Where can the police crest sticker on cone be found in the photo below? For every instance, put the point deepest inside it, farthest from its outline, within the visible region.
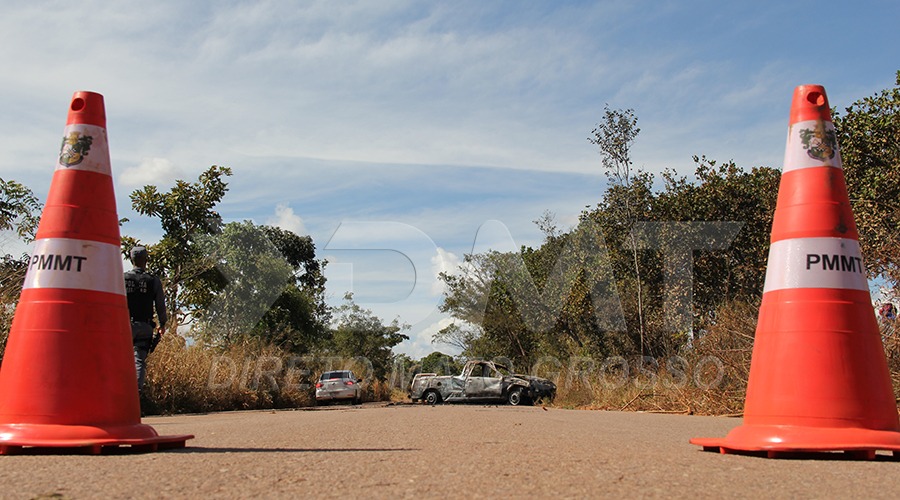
(819, 380)
(68, 378)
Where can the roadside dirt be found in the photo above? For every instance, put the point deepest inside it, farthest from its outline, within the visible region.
(447, 451)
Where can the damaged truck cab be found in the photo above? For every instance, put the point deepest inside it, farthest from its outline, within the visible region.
(481, 381)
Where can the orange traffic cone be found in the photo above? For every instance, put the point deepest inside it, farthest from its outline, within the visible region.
(818, 376)
(68, 378)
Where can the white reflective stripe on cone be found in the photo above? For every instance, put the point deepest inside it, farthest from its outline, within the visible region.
(811, 143)
(75, 264)
(84, 147)
(815, 263)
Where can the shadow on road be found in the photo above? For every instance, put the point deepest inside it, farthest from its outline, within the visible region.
(200, 449)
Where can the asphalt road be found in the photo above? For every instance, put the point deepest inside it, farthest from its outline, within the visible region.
(445, 451)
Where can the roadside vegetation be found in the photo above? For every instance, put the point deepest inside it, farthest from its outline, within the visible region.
(601, 309)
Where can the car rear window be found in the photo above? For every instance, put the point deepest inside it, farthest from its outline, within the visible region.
(334, 375)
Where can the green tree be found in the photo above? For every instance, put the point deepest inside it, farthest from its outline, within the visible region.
(300, 253)
(440, 363)
(868, 133)
(299, 317)
(358, 333)
(725, 193)
(615, 136)
(186, 213)
(19, 212)
(552, 300)
(255, 274)
(734, 273)
(631, 265)
(12, 275)
(715, 193)
(558, 299)
(489, 324)
(461, 335)
(274, 289)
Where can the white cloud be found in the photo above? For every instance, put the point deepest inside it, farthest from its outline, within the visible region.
(286, 219)
(155, 171)
(442, 262)
(336, 109)
(420, 343)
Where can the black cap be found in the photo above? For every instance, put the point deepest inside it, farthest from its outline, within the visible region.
(138, 253)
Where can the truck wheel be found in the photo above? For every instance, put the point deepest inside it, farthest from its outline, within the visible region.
(515, 397)
(432, 398)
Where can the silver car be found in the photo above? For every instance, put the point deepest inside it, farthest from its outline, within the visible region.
(338, 385)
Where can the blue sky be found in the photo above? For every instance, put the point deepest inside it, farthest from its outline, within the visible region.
(400, 128)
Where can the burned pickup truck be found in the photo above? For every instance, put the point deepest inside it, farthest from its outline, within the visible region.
(481, 381)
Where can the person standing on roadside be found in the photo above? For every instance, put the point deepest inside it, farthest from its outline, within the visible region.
(145, 293)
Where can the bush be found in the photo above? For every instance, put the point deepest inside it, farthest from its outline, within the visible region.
(12, 275)
(185, 378)
(891, 339)
(191, 379)
(709, 379)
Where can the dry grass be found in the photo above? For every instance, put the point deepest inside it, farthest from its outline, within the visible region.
(11, 278)
(710, 379)
(195, 379)
(378, 390)
(663, 391)
(891, 338)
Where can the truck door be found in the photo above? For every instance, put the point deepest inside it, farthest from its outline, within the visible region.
(483, 383)
(493, 383)
(475, 382)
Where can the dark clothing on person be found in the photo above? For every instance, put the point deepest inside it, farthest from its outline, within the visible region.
(144, 292)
